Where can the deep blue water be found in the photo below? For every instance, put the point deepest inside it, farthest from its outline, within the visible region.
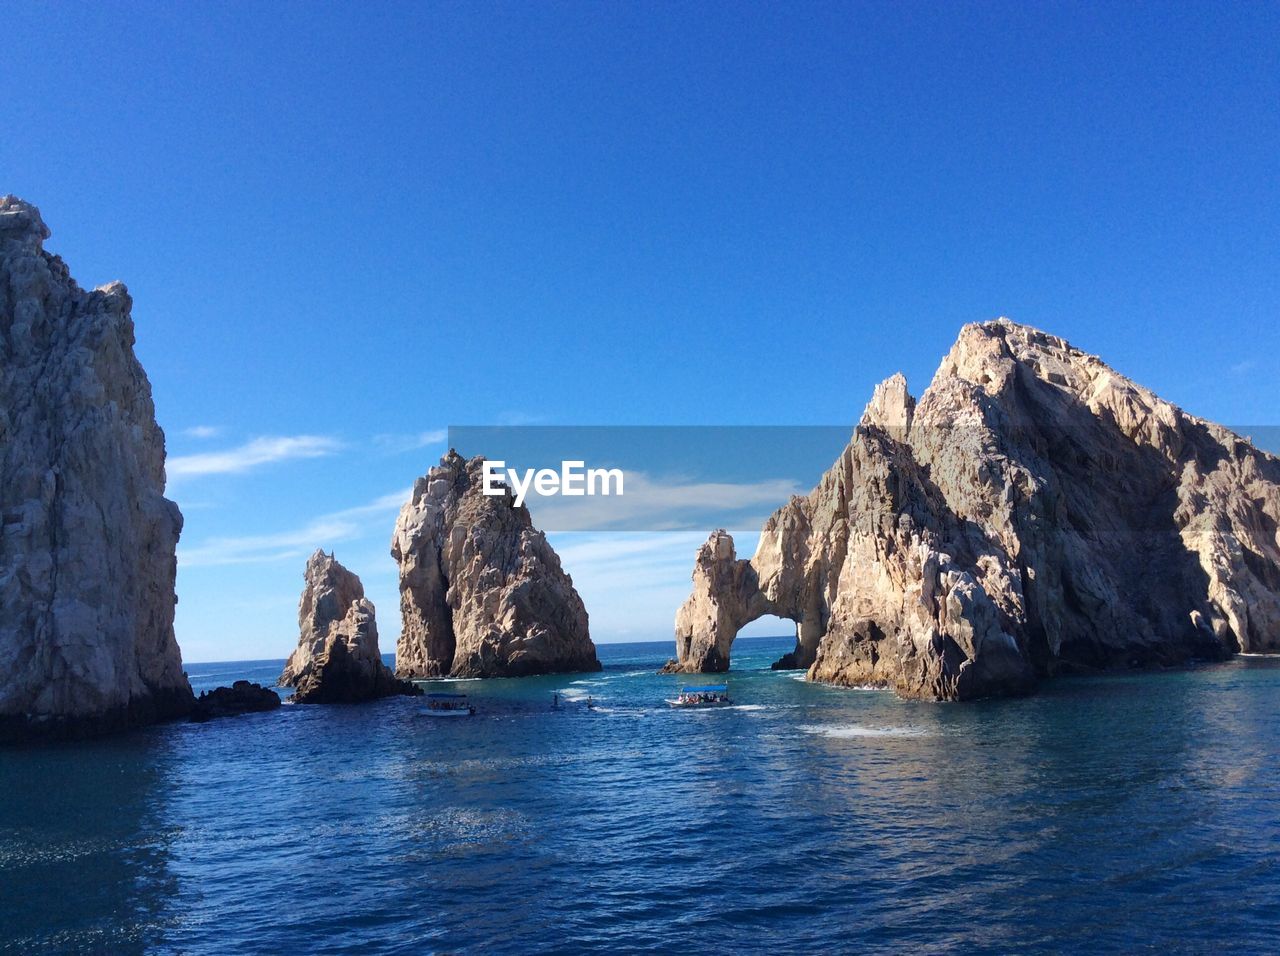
(1120, 813)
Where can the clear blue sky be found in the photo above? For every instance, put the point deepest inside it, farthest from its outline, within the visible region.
(347, 226)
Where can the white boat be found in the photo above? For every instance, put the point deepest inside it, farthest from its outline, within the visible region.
(449, 705)
(705, 695)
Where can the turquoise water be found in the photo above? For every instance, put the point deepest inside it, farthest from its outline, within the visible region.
(1121, 813)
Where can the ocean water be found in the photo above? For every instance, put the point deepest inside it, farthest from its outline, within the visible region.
(1136, 812)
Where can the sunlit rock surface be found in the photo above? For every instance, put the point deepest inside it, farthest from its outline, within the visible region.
(1034, 513)
(482, 593)
(337, 659)
(87, 538)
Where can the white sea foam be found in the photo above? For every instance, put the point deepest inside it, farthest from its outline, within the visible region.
(574, 695)
(446, 680)
(844, 731)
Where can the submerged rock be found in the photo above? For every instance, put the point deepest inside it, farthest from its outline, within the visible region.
(482, 593)
(337, 659)
(1034, 513)
(87, 538)
(242, 697)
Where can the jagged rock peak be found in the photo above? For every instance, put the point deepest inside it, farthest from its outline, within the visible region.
(87, 538)
(891, 406)
(482, 592)
(1040, 513)
(21, 221)
(337, 659)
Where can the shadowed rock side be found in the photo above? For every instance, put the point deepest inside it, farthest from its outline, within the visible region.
(87, 538)
(337, 660)
(482, 593)
(1034, 513)
(242, 697)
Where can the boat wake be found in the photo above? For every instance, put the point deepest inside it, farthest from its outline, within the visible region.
(845, 731)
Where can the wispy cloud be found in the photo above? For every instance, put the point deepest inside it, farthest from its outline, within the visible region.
(321, 532)
(394, 444)
(202, 431)
(640, 560)
(253, 454)
(633, 582)
(1241, 368)
(665, 504)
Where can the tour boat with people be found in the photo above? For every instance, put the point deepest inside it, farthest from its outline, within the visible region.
(705, 695)
(449, 705)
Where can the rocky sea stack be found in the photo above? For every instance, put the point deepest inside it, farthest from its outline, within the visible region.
(482, 593)
(337, 660)
(87, 538)
(1034, 513)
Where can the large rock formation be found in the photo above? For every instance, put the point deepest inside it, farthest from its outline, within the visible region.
(482, 593)
(87, 538)
(337, 660)
(1034, 513)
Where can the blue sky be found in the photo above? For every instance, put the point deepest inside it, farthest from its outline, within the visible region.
(349, 226)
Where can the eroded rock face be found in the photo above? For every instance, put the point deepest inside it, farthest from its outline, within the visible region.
(482, 593)
(337, 658)
(1035, 512)
(87, 538)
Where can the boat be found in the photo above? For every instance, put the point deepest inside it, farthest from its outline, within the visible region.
(705, 695)
(449, 705)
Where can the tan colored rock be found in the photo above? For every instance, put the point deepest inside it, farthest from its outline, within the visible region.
(337, 659)
(87, 538)
(482, 592)
(726, 595)
(1035, 512)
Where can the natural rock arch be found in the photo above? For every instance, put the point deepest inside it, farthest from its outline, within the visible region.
(1035, 513)
(727, 596)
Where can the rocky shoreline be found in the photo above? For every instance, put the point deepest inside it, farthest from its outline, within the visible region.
(1034, 513)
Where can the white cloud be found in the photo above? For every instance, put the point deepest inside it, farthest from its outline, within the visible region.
(202, 431)
(399, 444)
(1241, 368)
(665, 504)
(633, 582)
(616, 546)
(253, 454)
(322, 532)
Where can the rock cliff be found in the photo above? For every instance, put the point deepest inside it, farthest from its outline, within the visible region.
(482, 593)
(1034, 513)
(87, 538)
(337, 658)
